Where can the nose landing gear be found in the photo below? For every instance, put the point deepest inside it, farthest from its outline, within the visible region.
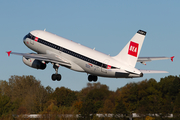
(56, 76)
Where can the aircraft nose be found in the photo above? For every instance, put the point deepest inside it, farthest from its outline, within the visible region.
(24, 38)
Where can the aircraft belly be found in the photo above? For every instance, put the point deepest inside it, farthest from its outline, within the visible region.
(96, 70)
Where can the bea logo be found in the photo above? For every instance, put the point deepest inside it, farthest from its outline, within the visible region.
(133, 49)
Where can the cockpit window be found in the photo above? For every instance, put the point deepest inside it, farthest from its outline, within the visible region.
(29, 36)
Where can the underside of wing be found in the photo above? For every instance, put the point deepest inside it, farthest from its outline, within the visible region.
(45, 57)
(147, 59)
(152, 71)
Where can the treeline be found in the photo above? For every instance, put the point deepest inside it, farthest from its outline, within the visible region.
(25, 95)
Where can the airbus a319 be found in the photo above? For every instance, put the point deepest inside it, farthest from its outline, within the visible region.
(59, 51)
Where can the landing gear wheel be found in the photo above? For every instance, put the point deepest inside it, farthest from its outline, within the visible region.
(56, 77)
(53, 77)
(92, 78)
(95, 78)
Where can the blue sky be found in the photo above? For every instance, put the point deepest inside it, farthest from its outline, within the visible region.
(103, 24)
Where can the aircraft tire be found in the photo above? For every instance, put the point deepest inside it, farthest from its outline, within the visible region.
(58, 77)
(53, 77)
(92, 78)
(95, 78)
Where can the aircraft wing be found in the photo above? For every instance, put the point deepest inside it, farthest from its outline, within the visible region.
(152, 71)
(44, 57)
(147, 59)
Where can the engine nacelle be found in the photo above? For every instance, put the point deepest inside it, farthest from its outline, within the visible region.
(34, 63)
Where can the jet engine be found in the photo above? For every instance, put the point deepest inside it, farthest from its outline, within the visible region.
(34, 63)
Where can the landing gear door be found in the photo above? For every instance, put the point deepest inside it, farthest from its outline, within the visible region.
(104, 66)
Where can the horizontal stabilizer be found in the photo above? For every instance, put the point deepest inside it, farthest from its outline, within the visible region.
(152, 71)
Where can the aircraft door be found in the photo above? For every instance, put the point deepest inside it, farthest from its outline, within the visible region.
(34, 38)
(104, 66)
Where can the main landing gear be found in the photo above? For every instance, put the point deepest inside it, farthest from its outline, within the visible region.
(56, 76)
(92, 78)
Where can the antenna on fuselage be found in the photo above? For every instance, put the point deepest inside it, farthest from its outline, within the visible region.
(45, 29)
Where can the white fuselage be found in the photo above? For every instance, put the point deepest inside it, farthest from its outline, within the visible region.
(81, 58)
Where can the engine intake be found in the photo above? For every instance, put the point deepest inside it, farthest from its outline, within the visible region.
(34, 63)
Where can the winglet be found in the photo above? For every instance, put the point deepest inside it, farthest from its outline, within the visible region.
(172, 58)
(143, 63)
(9, 53)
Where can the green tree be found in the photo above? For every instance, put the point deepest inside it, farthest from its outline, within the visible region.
(149, 98)
(93, 99)
(170, 86)
(6, 105)
(64, 97)
(120, 111)
(25, 92)
(88, 110)
(107, 108)
(176, 109)
(129, 95)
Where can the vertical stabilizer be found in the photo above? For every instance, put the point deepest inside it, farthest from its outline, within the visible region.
(130, 52)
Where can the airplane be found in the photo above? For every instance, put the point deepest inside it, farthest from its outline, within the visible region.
(59, 51)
